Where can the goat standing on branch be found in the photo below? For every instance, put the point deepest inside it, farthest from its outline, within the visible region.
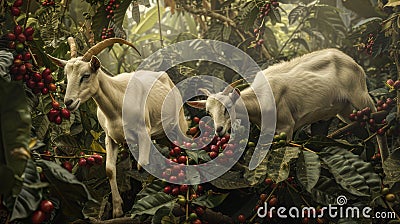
(87, 80)
(307, 89)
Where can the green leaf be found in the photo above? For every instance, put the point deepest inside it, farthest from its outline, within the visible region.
(302, 42)
(275, 16)
(135, 12)
(230, 180)
(248, 14)
(326, 191)
(198, 154)
(270, 40)
(308, 169)
(7, 177)
(29, 198)
(211, 200)
(15, 124)
(257, 175)
(379, 92)
(99, 21)
(6, 60)
(295, 14)
(392, 168)
(72, 193)
(350, 172)
(120, 13)
(226, 32)
(151, 203)
(318, 142)
(150, 189)
(367, 21)
(279, 162)
(41, 124)
(149, 20)
(161, 213)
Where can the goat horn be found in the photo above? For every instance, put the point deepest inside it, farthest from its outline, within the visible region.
(104, 44)
(231, 86)
(72, 46)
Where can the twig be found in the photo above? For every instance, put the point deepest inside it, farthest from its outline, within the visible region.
(159, 24)
(209, 13)
(301, 146)
(346, 128)
(27, 13)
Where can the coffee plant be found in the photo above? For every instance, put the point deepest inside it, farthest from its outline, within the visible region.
(52, 160)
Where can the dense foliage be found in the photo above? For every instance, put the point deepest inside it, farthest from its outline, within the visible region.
(61, 177)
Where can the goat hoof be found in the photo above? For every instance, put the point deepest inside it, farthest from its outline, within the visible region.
(139, 167)
(117, 212)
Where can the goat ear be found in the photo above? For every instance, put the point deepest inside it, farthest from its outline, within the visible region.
(235, 94)
(94, 63)
(204, 91)
(199, 104)
(57, 61)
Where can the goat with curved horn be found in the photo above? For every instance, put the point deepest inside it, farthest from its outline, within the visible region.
(86, 80)
(306, 89)
(96, 49)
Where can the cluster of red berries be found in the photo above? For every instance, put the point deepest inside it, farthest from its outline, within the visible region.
(19, 37)
(267, 7)
(258, 32)
(90, 161)
(57, 113)
(43, 213)
(107, 33)
(264, 11)
(40, 82)
(195, 212)
(111, 6)
(15, 8)
(393, 85)
(217, 146)
(22, 68)
(387, 104)
(48, 3)
(376, 124)
(364, 116)
(370, 44)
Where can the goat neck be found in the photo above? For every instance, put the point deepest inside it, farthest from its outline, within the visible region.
(109, 96)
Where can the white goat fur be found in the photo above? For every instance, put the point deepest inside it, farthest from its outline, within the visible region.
(108, 93)
(316, 86)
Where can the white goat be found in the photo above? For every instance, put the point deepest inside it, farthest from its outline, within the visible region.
(86, 80)
(316, 86)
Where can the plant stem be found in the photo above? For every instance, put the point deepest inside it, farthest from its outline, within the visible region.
(159, 24)
(27, 13)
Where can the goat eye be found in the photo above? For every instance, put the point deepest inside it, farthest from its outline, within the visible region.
(85, 76)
